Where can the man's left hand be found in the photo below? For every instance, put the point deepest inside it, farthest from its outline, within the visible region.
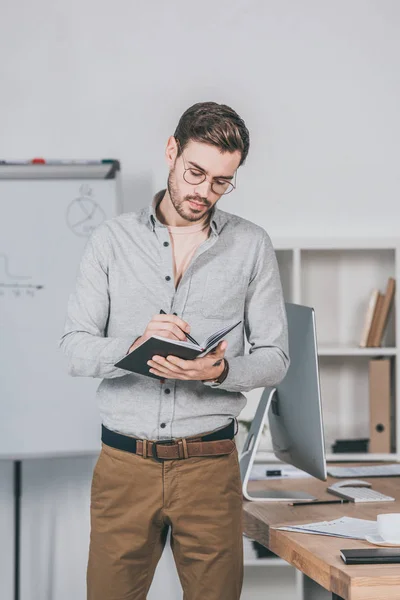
(208, 367)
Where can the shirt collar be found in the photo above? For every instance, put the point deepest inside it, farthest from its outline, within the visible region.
(148, 216)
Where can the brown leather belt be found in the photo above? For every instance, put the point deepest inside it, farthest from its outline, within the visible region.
(216, 443)
(183, 448)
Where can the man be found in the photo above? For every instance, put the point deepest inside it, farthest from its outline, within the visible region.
(168, 455)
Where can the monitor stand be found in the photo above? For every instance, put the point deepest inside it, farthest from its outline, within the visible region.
(248, 455)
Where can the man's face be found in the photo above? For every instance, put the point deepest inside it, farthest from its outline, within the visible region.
(192, 202)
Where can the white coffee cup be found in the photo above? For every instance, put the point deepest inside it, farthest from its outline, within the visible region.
(389, 527)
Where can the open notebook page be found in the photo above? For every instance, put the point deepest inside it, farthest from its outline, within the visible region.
(207, 344)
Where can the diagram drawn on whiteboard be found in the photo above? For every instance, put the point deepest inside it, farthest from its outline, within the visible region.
(83, 213)
(14, 286)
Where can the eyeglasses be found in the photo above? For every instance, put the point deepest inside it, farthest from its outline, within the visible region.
(194, 176)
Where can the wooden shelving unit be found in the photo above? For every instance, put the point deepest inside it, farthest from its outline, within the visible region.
(336, 276)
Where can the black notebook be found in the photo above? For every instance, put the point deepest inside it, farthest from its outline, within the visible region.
(136, 361)
(364, 556)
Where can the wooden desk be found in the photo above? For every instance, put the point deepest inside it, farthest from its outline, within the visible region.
(318, 556)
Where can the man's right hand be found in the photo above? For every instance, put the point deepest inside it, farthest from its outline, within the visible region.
(168, 326)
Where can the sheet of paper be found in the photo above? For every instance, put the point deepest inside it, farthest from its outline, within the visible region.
(258, 471)
(346, 527)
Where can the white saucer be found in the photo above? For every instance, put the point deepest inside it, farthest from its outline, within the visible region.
(379, 541)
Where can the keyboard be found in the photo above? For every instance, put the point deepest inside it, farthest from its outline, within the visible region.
(366, 471)
(358, 491)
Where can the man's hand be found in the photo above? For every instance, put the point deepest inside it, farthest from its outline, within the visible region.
(208, 367)
(168, 326)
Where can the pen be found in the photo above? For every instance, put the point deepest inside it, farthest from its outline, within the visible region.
(273, 473)
(189, 337)
(319, 502)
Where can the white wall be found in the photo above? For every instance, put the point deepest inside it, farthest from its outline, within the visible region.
(318, 84)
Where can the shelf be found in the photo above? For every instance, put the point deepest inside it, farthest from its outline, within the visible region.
(361, 457)
(356, 243)
(266, 562)
(269, 457)
(355, 351)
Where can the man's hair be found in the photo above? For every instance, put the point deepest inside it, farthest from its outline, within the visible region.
(215, 124)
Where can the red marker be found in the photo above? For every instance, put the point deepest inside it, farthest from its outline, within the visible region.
(38, 161)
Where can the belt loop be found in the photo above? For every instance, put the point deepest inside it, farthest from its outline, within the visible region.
(237, 425)
(144, 442)
(185, 450)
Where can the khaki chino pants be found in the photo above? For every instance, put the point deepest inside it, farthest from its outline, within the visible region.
(133, 503)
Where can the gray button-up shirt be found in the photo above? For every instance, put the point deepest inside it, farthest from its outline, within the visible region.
(126, 276)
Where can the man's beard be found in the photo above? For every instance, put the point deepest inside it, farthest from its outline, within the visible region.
(183, 207)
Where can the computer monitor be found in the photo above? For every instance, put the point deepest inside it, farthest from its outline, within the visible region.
(294, 412)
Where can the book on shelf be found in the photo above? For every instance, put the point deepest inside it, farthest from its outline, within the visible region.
(377, 315)
(369, 315)
(383, 314)
(377, 310)
(380, 394)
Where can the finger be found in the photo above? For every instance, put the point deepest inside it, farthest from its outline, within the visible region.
(183, 364)
(159, 374)
(176, 330)
(165, 372)
(168, 328)
(181, 335)
(161, 332)
(170, 375)
(174, 320)
(159, 361)
(219, 350)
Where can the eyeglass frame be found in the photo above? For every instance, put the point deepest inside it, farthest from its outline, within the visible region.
(233, 185)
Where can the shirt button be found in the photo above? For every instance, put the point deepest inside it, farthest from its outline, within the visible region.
(163, 425)
(167, 391)
(166, 243)
(168, 278)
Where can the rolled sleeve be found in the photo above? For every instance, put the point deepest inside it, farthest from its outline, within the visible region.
(265, 326)
(89, 351)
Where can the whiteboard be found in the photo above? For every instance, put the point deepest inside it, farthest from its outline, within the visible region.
(44, 226)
